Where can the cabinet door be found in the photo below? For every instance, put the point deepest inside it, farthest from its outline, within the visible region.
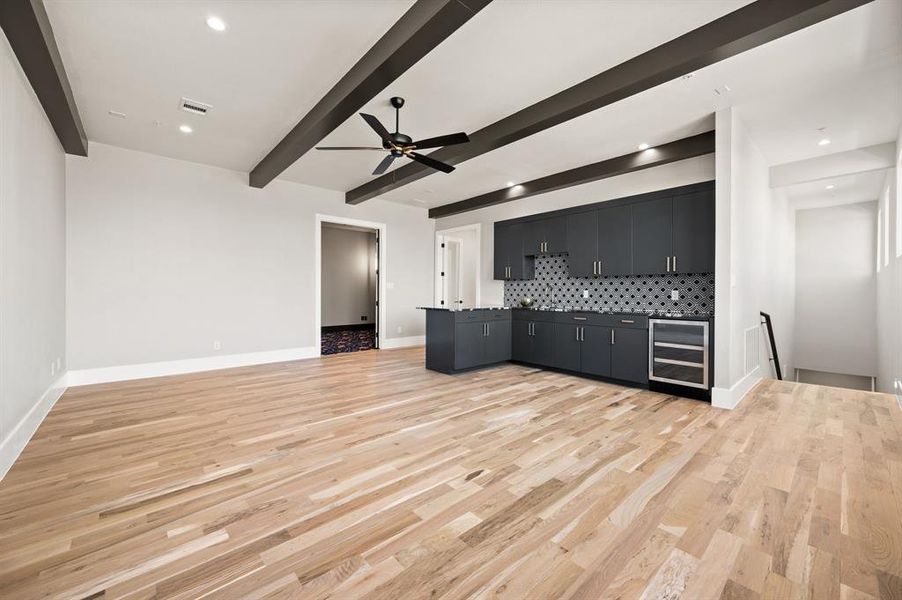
(555, 235)
(615, 250)
(693, 232)
(502, 233)
(596, 351)
(582, 232)
(566, 346)
(543, 343)
(533, 238)
(629, 355)
(469, 345)
(652, 236)
(519, 264)
(521, 341)
(498, 341)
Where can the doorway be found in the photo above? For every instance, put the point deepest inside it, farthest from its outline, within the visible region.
(457, 267)
(348, 286)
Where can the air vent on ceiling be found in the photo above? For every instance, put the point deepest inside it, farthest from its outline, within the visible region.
(193, 106)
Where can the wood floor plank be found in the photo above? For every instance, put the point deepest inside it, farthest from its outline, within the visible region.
(366, 476)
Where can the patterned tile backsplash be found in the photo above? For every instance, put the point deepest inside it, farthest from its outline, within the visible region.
(621, 293)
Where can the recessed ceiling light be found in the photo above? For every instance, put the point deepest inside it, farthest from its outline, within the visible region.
(644, 146)
(511, 184)
(216, 24)
(831, 186)
(185, 128)
(823, 142)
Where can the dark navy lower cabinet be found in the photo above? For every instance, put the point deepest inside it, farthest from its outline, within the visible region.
(595, 356)
(609, 346)
(460, 340)
(629, 355)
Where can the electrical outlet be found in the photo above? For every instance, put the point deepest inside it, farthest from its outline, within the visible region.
(59, 363)
(363, 317)
(52, 368)
(390, 285)
(674, 295)
(400, 329)
(217, 345)
(585, 293)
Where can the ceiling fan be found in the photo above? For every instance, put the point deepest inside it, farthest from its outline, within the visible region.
(398, 144)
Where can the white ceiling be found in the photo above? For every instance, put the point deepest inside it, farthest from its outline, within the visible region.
(139, 58)
(848, 189)
(272, 65)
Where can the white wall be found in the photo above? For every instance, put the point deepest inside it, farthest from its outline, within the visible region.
(753, 244)
(348, 259)
(889, 284)
(32, 260)
(836, 289)
(167, 256)
(676, 174)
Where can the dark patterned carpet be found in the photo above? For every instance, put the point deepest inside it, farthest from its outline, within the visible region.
(348, 340)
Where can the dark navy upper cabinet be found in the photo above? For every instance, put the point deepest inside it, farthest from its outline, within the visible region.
(582, 244)
(510, 260)
(614, 241)
(674, 235)
(652, 230)
(693, 233)
(545, 236)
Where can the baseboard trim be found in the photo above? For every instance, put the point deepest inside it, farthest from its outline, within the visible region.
(404, 342)
(12, 445)
(190, 365)
(729, 398)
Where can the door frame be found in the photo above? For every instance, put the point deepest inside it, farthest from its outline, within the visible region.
(437, 287)
(381, 241)
(441, 280)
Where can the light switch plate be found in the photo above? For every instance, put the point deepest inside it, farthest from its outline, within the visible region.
(585, 293)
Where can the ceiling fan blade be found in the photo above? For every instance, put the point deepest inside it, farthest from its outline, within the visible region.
(377, 126)
(350, 148)
(385, 164)
(430, 162)
(442, 140)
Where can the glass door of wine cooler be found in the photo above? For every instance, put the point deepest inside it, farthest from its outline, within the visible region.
(678, 352)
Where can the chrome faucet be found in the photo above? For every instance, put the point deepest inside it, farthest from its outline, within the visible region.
(550, 288)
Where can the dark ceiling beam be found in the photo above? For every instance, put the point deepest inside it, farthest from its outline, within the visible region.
(741, 30)
(28, 30)
(423, 27)
(690, 147)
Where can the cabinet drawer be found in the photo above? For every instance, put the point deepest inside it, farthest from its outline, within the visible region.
(582, 318)
(629, 321)
(470, 316)
(521, 314)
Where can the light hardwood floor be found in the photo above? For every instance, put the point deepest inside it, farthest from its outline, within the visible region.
(364, 475)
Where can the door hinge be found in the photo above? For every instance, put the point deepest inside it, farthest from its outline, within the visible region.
(443, 302)
(443, 273)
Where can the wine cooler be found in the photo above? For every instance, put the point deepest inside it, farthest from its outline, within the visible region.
(678, 352)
